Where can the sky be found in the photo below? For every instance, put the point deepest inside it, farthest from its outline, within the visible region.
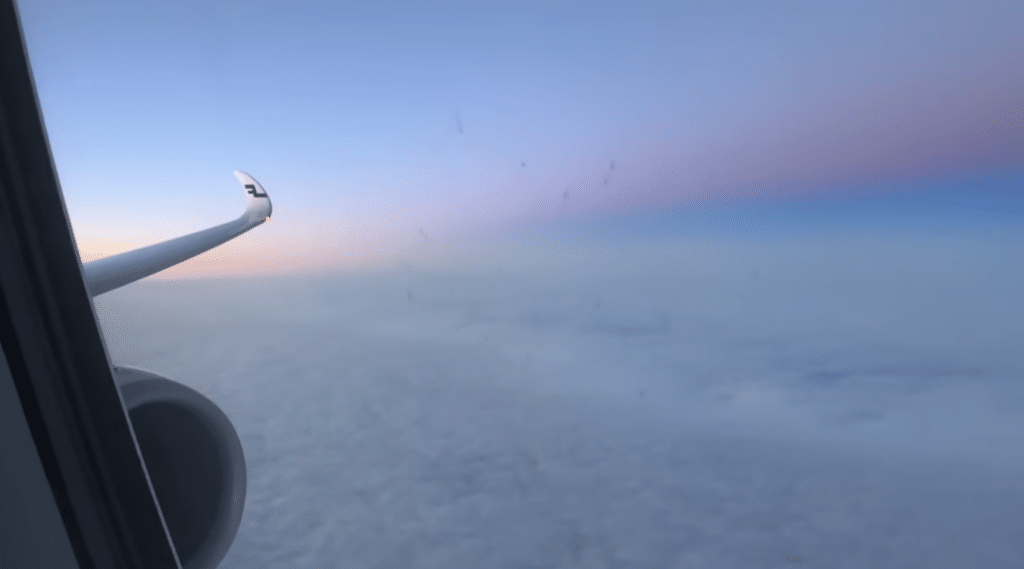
(383, 129)
(671, 284)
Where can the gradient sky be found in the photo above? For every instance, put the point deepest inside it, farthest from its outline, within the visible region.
(376, 128)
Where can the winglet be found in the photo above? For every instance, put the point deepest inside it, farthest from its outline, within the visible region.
(259, 207)
(108, 273)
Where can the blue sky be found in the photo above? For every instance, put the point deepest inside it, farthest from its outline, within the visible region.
(369, 123)
(618, 136)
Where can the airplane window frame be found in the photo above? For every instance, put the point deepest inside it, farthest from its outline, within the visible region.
(57, 359)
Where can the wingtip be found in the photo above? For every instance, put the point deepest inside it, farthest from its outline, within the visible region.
(259, 207)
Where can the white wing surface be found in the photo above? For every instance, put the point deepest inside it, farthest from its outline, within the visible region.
(106, 274)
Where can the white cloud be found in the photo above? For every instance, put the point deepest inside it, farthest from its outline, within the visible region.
(851, 402)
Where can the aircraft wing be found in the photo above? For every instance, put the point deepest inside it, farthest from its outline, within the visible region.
(106, 274)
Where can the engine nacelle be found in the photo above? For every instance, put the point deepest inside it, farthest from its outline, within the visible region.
(195, 462)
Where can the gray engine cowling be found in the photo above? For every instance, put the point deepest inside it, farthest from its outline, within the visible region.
(194, 459)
